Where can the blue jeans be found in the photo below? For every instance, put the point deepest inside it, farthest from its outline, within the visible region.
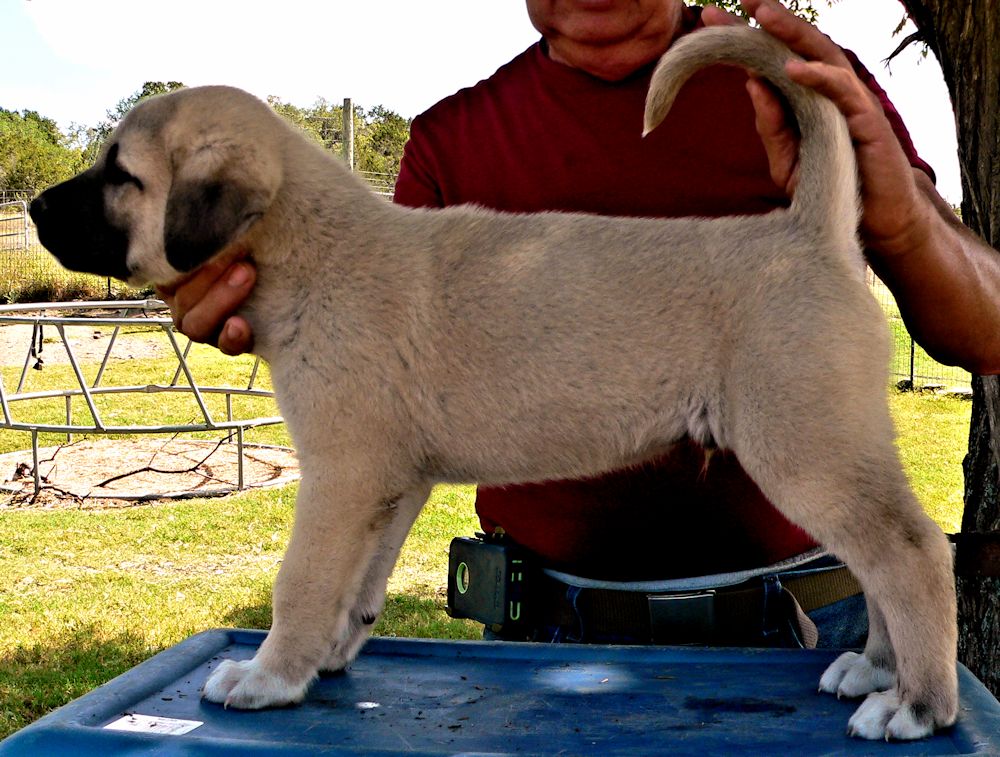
(843, 624)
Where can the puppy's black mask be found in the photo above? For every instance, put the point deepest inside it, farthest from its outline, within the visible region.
(73, 225)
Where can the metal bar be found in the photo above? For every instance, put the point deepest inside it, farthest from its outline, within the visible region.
(239, 461)
(171, 429)
(253, 373)
(7, 418)
(146, 305)
(229, 413)
(187, 372)
(180, 360)
(69, 417)
(77, 320)
(79, 377)
(27, 358)
(34, 461)
(146, 389)
(107, 354)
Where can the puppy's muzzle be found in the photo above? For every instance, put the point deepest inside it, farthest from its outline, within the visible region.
(73, 226)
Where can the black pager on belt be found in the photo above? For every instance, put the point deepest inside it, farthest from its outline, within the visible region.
(489, 580)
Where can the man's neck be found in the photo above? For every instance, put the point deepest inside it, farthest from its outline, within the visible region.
(617, 60)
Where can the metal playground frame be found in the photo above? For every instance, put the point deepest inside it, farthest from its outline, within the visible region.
(59, 316)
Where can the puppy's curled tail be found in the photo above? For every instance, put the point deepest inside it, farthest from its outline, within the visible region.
(826, 196)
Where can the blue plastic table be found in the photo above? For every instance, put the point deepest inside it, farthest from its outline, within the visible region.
(435, 697)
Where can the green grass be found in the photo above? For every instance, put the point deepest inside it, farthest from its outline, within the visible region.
(30, 274)
(87, 594)
(933, 437)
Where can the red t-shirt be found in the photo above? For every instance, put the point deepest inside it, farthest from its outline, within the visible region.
(538, 135)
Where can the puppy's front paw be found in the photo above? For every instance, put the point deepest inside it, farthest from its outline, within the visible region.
(246, 686)
(852, 675)
(884, 716)
(345, 650)
(343, 654)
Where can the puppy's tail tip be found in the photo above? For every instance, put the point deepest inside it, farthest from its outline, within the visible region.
(827, 194)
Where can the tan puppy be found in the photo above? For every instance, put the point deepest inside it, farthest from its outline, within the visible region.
(410, 347)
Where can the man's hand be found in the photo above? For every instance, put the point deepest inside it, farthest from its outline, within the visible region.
(945, 279)
(204, 303)
(894, 208)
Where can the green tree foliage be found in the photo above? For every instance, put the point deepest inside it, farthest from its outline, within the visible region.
(379, 145)
(803, 8)
(93, 138)
(34, 154)
(323, 121)
(379, 133)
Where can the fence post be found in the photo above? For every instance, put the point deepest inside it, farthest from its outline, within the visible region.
(349, 132)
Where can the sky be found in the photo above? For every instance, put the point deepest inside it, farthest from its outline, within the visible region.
(73, 61)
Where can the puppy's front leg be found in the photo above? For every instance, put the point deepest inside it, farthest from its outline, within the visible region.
(339, 520)
(371, 597)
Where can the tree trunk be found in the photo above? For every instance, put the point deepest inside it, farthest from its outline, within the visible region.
(979, 596)
(965, 37)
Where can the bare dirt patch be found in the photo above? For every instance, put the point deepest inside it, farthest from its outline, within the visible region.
(89, 345)
(118, 472)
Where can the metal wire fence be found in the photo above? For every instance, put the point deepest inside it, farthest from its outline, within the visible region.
(29, 274)
(383, 184)
(912, 367)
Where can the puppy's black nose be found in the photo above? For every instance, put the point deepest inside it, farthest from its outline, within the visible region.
(38, 208)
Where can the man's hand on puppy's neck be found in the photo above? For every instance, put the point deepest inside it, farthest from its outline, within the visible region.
(204, 302)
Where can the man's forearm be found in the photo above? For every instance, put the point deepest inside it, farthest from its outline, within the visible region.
(947, 287)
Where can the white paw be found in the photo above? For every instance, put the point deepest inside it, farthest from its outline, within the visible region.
(883, 716)
(359, 627)
(344, 653)
(851, 675)
(245, 686)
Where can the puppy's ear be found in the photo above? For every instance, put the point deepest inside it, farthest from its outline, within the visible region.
(203, 216)
(222, 183)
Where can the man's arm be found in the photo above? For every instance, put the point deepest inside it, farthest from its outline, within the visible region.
(945, 279)
(947, 284)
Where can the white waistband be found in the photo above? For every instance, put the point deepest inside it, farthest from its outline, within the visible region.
(694, 583)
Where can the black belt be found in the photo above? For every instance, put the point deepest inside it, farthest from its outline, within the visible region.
(724, 616)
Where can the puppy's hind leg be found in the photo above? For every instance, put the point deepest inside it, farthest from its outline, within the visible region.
(911, 580)
(855, 675)
(836, 473)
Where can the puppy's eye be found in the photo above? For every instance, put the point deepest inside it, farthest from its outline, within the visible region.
(114, 174)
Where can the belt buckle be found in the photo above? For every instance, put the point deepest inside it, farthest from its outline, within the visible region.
(687, 618)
